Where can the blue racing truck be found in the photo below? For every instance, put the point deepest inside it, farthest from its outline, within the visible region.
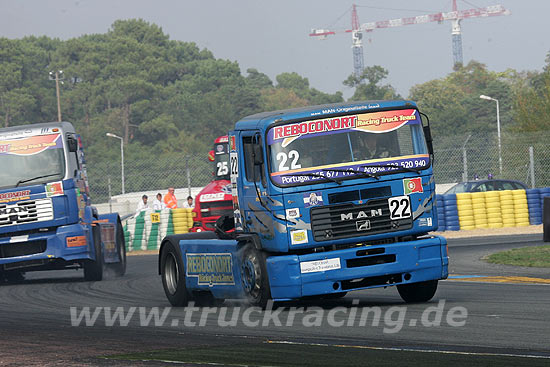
(46, 220)
(327, 199)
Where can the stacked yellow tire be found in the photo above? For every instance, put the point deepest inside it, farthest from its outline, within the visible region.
(521, 210)
(465, 210)
(182, 220)
(480, 211)
(492, 206)
(507, 208)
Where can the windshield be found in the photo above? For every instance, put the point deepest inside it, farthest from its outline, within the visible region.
(221, 160)
(347, 146)
(31, 160)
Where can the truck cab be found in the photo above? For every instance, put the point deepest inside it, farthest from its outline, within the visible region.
(331, 199)
(214, 200)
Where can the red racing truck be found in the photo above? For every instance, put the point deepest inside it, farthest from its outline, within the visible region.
(214, 200)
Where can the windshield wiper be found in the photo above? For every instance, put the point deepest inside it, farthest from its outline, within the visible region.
(364, 174)
(397, 168)
(35, 178)
(316, 175)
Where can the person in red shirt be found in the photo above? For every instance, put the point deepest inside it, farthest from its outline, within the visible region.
(170, 199)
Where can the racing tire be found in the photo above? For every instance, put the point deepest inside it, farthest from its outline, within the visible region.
(93, 269)
(172, 273)
(13, 276)
(417, 292)
(254, 276)
(120, 267)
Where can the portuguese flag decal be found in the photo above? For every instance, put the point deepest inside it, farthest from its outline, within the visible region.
(412, 185)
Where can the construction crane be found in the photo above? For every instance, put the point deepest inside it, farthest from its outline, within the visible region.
(455, 16)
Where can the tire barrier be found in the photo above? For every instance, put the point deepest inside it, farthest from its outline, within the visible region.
(441, 223)
(491, 209)
(534, 202)
(450, 212)
(546, 219)
(145, 230)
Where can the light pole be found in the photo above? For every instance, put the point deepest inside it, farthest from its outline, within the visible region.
(498, 131)
(121, 156)
(57, 76)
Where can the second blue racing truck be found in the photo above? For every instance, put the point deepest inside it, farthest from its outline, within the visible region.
(47, 221)
(327, 199)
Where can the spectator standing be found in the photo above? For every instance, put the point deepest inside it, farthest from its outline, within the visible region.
(170, 199)
(189, 203)
(158, 203)
(142, 205)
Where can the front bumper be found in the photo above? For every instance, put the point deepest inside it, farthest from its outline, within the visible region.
(37, 249)
(358, 268)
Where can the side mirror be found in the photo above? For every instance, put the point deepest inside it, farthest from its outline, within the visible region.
(428, 136)
(72, 144)
(258, 155)
(211, 156)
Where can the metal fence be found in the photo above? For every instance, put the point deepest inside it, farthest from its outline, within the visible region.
(525, 157)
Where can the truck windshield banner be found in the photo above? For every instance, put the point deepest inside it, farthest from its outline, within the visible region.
(344, 146)
(31, 145)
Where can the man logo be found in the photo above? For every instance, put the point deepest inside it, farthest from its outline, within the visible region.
(362, 225)
(361, 214)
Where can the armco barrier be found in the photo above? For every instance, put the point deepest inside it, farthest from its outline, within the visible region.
(491, 209)
(145, 230)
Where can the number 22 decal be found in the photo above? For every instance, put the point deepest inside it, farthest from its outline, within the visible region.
(283, 158)
(400, 207)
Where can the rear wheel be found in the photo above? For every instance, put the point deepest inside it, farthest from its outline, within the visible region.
(173, 276)
(120, 267)
(254, 276)
(417, 292)
(93, 270)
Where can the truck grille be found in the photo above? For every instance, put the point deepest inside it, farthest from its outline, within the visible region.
(217, 208)
(334, 222)
(26, 212)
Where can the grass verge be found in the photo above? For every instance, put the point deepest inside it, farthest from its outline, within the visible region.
(534, 256)
(268, 354)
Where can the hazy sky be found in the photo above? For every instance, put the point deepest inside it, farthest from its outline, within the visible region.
(272, 35)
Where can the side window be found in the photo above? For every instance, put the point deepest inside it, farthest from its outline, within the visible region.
(508, 186)
(480, 188)
(490, 186)
(252, 172)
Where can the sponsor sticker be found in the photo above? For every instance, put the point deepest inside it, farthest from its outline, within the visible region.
(54, 189)
(155, 217)
(313, 199)
(210, 268)
(425, 222)
(14, 196)
(412, 185)
(298, 237)
(292, 213)
(212, 197)
(76, 241)
(319, 265)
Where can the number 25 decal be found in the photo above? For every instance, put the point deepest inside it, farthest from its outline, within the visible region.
(400, 207)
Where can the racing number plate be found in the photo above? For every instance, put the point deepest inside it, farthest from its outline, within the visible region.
(400, 207)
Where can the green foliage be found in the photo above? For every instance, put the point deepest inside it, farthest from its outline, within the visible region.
(453, 102)
(366, 85)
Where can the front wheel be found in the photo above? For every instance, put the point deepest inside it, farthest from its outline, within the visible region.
(173, 276)
(417, 292)
(254, 276)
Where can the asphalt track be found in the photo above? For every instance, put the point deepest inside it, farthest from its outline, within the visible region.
(504, 317)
